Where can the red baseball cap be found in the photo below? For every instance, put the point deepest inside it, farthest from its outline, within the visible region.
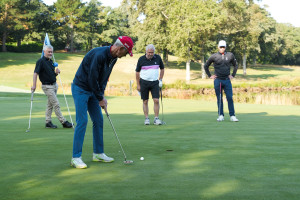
(127, 42)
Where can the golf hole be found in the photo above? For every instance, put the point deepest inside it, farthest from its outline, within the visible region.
(169, 150)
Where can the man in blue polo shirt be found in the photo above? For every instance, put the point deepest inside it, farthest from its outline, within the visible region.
(147, 71)
(88, 94)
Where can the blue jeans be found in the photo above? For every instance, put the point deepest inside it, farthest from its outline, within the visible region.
(226, 85)
(86, 101)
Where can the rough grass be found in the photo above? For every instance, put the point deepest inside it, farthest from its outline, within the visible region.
(256, 158)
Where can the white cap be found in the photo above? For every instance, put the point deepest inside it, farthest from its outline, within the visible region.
(222, 43)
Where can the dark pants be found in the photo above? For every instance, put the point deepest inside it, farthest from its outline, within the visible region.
(86, 101)
(226, 85)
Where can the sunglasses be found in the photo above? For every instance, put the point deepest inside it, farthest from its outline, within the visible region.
(222, 47)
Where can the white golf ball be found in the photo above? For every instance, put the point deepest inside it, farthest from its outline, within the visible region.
(142, 158)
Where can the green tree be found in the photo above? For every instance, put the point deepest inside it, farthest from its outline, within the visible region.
(286, 45)
(94, 18)
(193, 24)
(69, 14)
(17, 18)
(150, 24)
(6, 20)
(244, 23)
(115, 24)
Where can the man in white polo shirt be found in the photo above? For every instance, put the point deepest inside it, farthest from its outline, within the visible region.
(147, 73)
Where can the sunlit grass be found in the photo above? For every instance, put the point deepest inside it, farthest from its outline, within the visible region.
(17, 69)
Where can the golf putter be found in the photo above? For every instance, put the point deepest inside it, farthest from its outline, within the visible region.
(162, 107)
(32, 92)
(220, 100)
(56, 65)
(125, 161)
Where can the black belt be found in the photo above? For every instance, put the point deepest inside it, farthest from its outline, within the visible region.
(49, 83)
(223, 79)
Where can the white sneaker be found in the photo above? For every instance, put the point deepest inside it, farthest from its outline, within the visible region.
(78, 163)
(147, 121)
(220, 118)
(102, 158)
(233, 118)
(157, 121)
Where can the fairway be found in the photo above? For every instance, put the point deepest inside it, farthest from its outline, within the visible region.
(256, 158)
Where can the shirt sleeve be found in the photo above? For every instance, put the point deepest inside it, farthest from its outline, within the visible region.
(38, 66)
(93, 76)
(161, 65)
(207, 64)
(138, 66)
(106, 78)
(235, 65)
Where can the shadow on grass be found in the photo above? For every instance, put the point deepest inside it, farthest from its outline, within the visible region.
(256, 76)
(271, 68)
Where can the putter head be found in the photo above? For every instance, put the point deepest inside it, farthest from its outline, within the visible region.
(128, 162)
(27, 131)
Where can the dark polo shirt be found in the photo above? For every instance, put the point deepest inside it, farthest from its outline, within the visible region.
(46, 71)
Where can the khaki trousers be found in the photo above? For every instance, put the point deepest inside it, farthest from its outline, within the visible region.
(50, 91)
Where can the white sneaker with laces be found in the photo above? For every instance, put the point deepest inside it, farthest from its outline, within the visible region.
(147, 121)
(220, 118)
(78, 163)
(157, 121)
(102, 158)
(233, 118)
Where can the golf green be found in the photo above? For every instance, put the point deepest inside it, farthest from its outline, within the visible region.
(191, 157)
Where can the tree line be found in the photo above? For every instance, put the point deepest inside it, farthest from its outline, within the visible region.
(189, 29)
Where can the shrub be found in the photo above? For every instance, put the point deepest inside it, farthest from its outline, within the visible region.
(24, 48)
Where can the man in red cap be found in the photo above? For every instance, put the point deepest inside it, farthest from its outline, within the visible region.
(88, 93)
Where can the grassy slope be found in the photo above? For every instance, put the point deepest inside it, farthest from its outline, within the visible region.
(256, 158)
(16, 70)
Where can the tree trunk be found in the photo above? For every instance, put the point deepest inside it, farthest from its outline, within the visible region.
(166, 57)
(254, 61)
(244, 63)
(4, 36)
(90, 43)
(4, 41)
(188, 67)
(72, 38)
(19, 42)
(202, 68)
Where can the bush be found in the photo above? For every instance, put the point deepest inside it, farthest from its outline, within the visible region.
(24, 48)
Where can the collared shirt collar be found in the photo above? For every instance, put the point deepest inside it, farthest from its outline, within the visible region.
(224, 52)
(109, 52)
(154, 56)
(47, 59)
